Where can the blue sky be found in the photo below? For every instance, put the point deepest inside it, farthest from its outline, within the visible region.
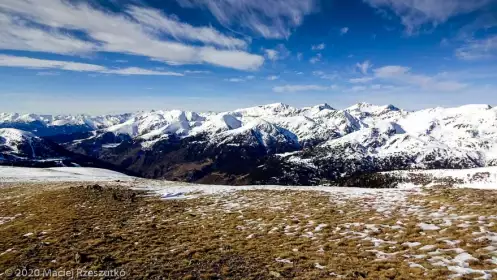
(112, 56)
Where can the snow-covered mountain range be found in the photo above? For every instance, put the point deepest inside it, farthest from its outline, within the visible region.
(44, 125)
(279, 143)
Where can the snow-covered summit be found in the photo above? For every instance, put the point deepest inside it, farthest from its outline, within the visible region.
(18, 143)
(258, 132)
(15, 134)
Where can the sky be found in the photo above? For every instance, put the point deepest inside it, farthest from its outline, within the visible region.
(113, 56)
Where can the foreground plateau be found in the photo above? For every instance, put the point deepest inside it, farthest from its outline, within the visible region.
(428, 227)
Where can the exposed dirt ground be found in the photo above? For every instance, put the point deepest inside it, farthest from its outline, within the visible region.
(438, 233)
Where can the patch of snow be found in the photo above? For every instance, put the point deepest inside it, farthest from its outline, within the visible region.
(7, 251)
(320, 227)
(411, 244)
(318, 266)
(428, 227)
(415, 265)
(427, 248)
(25, 174)
(283, 260)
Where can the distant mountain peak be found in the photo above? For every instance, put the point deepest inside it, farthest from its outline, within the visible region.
(276, 105)
(371, 108)
(323, 106)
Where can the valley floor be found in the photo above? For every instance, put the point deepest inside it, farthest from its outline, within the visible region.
(219, 232)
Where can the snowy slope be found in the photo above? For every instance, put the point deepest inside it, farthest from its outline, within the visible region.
(21, 144)
(258, 132)
(478, 178)
(63, 174)
(11, 140)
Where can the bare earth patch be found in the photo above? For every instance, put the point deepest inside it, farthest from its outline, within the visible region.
(437, 233)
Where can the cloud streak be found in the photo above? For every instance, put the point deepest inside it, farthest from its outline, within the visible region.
(361, 80)
(34, 63)
(298, 88)
(416, 13)
(278, 53)
(319, 47)
(315, 59)
(364, 67)
(478, 49)
(401, 74)
(269, 19)
(156, 21)
(140, 31)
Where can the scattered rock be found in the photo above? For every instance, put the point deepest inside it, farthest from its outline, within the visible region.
(77, 258)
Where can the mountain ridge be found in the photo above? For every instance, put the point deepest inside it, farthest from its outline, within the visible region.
(320, 141)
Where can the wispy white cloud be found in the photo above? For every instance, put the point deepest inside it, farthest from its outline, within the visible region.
(484, 22)
(416, 13)
(381, 87)
(141, 32)
(401, 74)
(364, 67)
(156, 21)
(240, 79)
(315, 59)
(391, 71)
(478, 49)
(297, 88)
(319, 47)
(374, 88)
(278, 53)
(471, 74)
(361, 80)
(269, 19)
(271, 54)
(273, 78)
(358, 88)
(235, 80)
(233, 59)
(47, 73)
(326, 76)
(34, 63)
(17, 34)
(344, 30)
(140, 71)
(197, 72)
